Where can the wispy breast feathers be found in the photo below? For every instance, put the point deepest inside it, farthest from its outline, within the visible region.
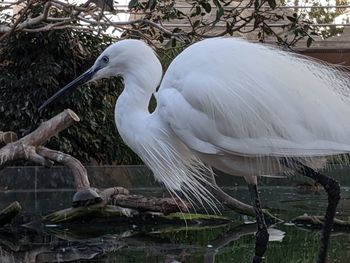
(175, 166)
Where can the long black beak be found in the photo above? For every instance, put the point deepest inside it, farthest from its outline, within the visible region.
(83, 78)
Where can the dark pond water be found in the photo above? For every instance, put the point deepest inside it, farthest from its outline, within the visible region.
(41, 191)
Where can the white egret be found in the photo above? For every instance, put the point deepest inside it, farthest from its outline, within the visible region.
(246, 109)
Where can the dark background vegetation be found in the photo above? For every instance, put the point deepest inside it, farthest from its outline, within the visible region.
(34, 66)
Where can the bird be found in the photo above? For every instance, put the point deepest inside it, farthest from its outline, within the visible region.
(246, 109)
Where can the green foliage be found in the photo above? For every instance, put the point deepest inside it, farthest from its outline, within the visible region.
(216, 18)
(321, 15)
(33, 66)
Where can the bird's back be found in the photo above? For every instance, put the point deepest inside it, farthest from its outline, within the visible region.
(230, 96)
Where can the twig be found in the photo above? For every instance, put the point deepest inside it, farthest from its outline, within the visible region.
(23, 13)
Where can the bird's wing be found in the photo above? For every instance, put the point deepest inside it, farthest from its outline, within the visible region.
(254, 100)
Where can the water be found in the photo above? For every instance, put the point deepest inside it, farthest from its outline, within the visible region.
(41, 191)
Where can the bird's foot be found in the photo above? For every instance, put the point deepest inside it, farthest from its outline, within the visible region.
(261, 240)
(257, 259)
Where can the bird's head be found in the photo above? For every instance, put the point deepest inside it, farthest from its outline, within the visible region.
(116, 60)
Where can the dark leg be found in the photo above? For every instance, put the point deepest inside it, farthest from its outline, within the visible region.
(333, 190)
(262, 236)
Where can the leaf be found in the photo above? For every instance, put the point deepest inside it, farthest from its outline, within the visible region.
(256, 4)
(173, 42)
(291, 19)
(207, 7)
(219, 11)
(272, 3)
(217, 3)
(152, 4)
(198, 10)
(133, 3)
(309, 41)
(267, 29)
(229, 28)
(196, 23)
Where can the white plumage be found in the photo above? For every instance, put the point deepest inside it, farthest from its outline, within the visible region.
(251, 100)
(229, 104)
(234, 105)
(246, 109)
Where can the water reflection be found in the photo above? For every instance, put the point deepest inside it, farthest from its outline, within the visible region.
(30, 241)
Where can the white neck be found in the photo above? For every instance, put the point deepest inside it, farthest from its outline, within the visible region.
(131, 111)
(135, 97)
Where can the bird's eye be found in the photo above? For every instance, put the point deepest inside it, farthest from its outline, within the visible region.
(105, 59)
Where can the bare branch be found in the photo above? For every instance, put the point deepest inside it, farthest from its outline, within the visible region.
(162, 21)
(23, 13)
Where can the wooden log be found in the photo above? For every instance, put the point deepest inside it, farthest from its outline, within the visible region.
(108, 194)
(50, 128)
(78, 170)
(116, 202)
(120, 196)
(153, 204)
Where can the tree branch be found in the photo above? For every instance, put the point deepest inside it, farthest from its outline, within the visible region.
(23, 13)
(233, 203)
(78, 170)
(24, 147)
(7, 137)
(29, 147)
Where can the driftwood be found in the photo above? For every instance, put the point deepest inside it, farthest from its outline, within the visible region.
(117, 203)
(119, 196)
(141, 203)
(318, 221)
(78, 170)
(29, 147)
(7, 137)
